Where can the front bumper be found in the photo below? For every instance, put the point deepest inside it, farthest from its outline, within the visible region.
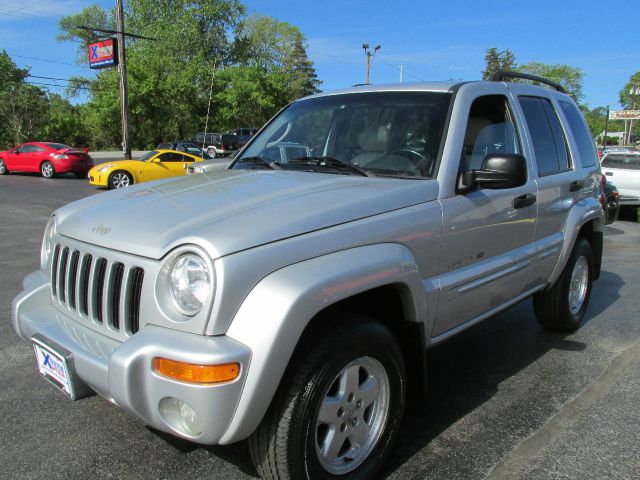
(122, 373)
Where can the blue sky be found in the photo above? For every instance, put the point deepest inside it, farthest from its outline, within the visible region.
(432, 40)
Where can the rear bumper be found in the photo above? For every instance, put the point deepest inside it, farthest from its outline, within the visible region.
(122, 373)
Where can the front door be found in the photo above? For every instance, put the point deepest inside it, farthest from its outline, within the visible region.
(486, 234)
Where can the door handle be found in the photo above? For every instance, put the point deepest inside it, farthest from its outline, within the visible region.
(524, 200)
(575, 186)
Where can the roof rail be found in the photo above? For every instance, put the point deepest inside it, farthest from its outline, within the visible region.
(501, 75)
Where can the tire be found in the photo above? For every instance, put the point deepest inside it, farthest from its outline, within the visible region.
(47, 170)
(356, 374)
(3, 167)
(120, 179)
(212, 152)
(562, 307)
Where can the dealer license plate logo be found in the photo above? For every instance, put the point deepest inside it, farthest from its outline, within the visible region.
(53, 366)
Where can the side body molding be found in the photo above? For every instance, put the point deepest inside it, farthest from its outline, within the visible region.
(276, 312)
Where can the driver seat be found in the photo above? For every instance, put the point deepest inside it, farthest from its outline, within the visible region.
(374, 142)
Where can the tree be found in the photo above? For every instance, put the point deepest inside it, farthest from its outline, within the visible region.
(496, 61)
(270, 44)
(64, 122)
(23, 107)
(569, 77)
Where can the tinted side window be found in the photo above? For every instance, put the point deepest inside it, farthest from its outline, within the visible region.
(547, 138)
(25, 149)
(586, 147)
(37, 149)
(170, 157)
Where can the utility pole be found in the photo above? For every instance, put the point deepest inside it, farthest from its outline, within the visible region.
(369, 55)
(122, 69)
(606, 130)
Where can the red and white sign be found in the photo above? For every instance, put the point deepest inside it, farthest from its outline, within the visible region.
(624, 114)
(103, 54)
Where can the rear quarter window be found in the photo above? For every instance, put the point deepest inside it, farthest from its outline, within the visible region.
(584, 141)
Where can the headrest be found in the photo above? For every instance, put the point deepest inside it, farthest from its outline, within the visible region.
(374, 139)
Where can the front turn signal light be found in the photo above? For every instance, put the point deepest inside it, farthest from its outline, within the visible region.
(195, 373)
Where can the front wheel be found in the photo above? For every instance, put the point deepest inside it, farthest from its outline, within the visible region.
(562, 307)
(341, 410)
(3, 167)
(47, 170)
(120, 179)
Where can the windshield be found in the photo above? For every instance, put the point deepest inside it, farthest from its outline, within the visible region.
(381, 133)
(148, 155)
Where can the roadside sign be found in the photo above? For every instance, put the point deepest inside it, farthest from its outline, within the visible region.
(103, 53)
(624, 114)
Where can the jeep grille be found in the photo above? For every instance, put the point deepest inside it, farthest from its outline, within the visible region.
(96, 289)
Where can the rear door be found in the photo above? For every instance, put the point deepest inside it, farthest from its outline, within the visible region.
(560, 182)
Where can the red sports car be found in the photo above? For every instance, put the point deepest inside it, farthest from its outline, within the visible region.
(48, 158)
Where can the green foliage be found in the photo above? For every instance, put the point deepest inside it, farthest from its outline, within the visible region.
(263, 68)
(567, 76)
(496, 61)
(64, 122)
(23, 107)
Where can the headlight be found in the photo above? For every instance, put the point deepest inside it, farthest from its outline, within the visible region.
(105, 168)
(47, 242)
(189, 283)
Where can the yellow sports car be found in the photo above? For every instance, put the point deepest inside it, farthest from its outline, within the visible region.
(151, 166)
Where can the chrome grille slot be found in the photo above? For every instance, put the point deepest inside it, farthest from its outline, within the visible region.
(73, 277)
(83, 294)
(97, 290)
(62, 274)
(115, 290)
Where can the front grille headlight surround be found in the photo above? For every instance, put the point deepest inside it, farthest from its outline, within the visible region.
(47, 242)
(185, 285)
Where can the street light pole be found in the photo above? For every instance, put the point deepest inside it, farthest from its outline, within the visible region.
(369, 55)
(122, 69)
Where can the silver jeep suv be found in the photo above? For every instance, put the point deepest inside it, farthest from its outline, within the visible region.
(290, 298)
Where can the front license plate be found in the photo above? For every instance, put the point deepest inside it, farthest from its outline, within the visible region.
(53, 366)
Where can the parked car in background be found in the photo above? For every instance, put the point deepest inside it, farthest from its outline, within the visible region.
(185, 146)
(154, 165)
(610, 203)
(623, 168)
(244, 134)
(207, 166)
(218, 144)
(48, 158)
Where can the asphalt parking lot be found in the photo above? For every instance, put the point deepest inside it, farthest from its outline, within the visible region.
(506, 399)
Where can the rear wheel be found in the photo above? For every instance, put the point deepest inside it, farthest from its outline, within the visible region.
(341, 410)
(120, 179)
(562, 307)
(47, 170)
(3, 167)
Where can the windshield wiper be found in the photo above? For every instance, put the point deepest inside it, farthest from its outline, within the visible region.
(331, 163)
(259, 160)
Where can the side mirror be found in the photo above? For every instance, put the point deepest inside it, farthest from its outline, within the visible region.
(499, 170)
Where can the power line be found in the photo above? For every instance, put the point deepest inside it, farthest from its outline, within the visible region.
(47, 60)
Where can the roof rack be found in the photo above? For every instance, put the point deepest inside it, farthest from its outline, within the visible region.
(501, 75)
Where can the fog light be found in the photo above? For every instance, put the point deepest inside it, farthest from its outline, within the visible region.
(180, 416)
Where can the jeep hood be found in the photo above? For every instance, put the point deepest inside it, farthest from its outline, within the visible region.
(230, 211)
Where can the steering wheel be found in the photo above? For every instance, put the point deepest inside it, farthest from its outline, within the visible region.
(421, 162)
